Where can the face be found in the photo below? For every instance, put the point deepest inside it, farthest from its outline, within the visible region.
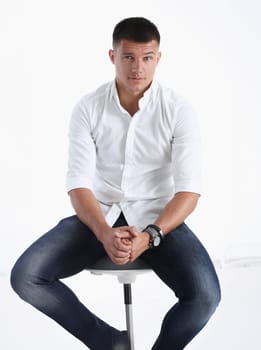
(135, 65)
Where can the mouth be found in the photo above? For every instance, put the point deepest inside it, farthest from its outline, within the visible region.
(136, 78)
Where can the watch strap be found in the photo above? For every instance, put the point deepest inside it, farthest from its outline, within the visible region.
(158, 229)
(155, 233)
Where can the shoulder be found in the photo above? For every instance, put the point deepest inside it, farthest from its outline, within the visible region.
(95, 97)
(86, 111)
(172, 97)
(89, 105)
(176, 106)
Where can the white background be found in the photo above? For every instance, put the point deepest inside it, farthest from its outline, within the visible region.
(53, 52)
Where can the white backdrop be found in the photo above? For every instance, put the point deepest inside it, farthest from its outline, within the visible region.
(54, 51)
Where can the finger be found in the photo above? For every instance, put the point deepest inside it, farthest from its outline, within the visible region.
(121, 255)
(121, 261)
(118, 254)
(133, 231)
(123, 234)
(121, 249)
(133, 257)
(122, 243)
(121, 258)
(126, 241)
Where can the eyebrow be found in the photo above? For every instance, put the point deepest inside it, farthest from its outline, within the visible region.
(145, 54)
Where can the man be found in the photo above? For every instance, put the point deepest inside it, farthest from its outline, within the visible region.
(133, 178)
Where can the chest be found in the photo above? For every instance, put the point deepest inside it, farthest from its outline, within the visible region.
(145, 137)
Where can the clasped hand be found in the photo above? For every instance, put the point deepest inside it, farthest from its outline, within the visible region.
(124, 244)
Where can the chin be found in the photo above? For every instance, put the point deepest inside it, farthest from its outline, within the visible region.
(138, 87)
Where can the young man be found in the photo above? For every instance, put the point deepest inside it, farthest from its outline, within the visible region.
(133, 178)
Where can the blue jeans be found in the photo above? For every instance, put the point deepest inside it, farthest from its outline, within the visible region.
(180, 261)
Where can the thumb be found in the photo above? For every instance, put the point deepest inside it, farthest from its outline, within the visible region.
(133, 231)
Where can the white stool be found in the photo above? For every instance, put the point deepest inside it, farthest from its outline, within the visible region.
(126, 275)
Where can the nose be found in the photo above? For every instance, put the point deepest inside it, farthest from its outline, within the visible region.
(137, 66)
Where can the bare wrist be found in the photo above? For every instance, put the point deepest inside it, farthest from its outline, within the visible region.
(146, 239)
(100, 229)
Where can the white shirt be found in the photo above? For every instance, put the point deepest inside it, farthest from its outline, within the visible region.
(134, 164)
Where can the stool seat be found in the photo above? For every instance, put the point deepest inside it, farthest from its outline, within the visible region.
(126, 273)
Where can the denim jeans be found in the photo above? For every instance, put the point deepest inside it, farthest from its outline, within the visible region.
(181, 262)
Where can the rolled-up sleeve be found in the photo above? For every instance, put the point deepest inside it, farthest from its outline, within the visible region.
(82, 152)
(186, 153)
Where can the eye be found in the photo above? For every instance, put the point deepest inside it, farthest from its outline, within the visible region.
(128, 58)
(148, 58)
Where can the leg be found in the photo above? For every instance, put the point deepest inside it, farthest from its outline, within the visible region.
(65, 250)
(184, 265)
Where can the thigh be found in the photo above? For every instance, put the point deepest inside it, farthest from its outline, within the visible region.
(66, 249)
(182, 262)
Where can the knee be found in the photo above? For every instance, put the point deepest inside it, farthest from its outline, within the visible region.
(16, 278)
(27, 282)
(20, 279)
(208, 300)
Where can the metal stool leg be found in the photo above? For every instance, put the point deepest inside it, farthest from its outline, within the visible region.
(129, 314)
(126, 275)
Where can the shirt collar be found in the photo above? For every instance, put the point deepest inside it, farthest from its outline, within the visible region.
(149, 94)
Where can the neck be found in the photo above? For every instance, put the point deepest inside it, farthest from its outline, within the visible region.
(129, 101)
(131, 105)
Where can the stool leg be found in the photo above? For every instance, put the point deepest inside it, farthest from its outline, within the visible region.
(129, 314)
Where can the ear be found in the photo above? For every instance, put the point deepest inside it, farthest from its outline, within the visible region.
(158, 56)
(111, 55)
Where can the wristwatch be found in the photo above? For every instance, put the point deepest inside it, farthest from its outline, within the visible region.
(156, 235)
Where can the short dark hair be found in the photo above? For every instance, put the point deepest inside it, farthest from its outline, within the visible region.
(136, 29)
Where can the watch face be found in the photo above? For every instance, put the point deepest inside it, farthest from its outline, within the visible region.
(156, 241)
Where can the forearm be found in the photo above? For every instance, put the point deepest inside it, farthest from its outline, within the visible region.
(177, 210)
(88, 210)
